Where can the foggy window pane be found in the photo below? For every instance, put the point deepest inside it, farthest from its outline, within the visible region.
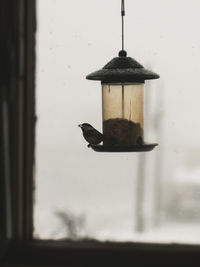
(153, 196)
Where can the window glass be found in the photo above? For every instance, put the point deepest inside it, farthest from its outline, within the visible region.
(152, 196)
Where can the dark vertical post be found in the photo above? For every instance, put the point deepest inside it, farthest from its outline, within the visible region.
(158, 179)
(29, 114)
(6, 62)
(17, 25)
(139, 206)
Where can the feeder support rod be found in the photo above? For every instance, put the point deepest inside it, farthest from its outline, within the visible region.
(123, 14)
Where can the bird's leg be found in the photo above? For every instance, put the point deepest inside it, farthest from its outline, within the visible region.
(89, 145)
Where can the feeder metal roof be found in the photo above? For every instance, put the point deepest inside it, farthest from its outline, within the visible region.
(122, 69)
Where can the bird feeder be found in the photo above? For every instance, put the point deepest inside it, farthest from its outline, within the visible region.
(123, 80)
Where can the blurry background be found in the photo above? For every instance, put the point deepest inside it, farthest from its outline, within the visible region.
(152, 196)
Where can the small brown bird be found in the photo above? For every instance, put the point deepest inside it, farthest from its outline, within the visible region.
(91, 135)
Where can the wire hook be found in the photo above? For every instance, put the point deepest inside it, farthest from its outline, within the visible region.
(123, 8)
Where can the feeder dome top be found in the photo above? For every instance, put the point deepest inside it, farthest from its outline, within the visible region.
(122, 69)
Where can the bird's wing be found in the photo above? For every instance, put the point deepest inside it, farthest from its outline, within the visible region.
(92, 133)
(93, 136)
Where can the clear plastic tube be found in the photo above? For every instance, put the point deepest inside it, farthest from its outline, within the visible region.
(123, 116)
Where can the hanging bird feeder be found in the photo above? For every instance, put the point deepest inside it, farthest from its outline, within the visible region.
(122, 82)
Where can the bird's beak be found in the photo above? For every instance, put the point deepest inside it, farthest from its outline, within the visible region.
(80, 125)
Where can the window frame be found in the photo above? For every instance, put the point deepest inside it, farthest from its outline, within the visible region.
(17, 246)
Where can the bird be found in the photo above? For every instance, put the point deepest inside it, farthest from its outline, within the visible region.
(91, 135)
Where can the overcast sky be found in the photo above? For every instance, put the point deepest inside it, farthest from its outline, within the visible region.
(77, 37)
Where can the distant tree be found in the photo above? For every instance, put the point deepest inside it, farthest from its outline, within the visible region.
(73, 224)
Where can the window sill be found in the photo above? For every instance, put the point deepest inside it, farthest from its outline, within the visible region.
(93, 253)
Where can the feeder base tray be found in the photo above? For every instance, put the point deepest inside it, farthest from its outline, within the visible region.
(127, 148)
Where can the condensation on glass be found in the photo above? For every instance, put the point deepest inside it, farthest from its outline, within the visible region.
(123, 116)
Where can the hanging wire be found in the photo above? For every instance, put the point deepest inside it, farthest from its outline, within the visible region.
(123, 14)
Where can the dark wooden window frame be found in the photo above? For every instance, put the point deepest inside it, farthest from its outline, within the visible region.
(17, 129)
